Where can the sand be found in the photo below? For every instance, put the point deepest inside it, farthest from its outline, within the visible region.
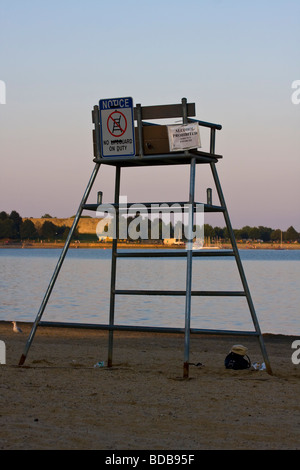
(59, 400)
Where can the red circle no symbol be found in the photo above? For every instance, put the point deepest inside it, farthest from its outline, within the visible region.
(116, 124)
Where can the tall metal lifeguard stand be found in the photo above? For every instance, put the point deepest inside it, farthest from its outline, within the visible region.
(151, 147)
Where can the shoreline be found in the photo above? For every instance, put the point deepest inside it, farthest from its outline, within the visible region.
(108, 245)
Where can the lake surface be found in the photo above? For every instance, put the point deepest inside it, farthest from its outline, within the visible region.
(81, 292)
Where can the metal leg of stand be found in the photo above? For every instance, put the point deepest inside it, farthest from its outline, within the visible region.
(59, 264)
(241, 269)
(113, 268)
(189, 271)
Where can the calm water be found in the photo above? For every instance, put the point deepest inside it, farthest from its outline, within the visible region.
(81, 292)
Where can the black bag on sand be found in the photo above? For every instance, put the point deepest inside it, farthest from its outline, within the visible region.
(237, 358)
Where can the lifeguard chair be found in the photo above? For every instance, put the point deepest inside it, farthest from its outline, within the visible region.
(151, 146)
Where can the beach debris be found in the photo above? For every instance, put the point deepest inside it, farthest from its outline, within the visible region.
(16, 328)
(100, 364)
(258, 366)
(197, 364)
(237, 358)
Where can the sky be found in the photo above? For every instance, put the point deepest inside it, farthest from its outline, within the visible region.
(235, 59)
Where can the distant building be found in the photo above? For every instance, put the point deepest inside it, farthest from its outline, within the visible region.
(173, 241)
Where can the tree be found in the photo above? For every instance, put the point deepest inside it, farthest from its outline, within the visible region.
(48, 230)
(219, 232)
(208, 231)
(60, 230)
(179, 230)
(225, 233)
(63, 232)
(46, 216)
(7, 229)
(237, 233)
(157, 229)
(28, 230)
(265, 233)
(3, 215)
(17, 222)
(276, 235)
(10, 225)
(291, 234)
(254, 233)
(245, 232)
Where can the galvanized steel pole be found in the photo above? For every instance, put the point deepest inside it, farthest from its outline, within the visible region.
(59, 264)
(189, 270)
(113, 266)
(237, 257)
(187, 328)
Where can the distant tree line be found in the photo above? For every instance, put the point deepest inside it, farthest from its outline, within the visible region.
(265, 234)
(247, 233)
(12, 226)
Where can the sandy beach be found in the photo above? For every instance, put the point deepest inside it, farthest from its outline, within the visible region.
(59, 400)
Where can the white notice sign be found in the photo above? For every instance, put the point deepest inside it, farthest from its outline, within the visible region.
(117, 127)
(184, 137)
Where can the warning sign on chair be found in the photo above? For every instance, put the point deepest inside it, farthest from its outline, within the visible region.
(117, 127)
(184, 137)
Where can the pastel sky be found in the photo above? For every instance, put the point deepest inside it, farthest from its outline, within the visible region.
(235, 59)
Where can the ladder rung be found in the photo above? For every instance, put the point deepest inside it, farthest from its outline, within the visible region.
(179, 292)
(155, 329)
(172, 254)
(153, 206)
